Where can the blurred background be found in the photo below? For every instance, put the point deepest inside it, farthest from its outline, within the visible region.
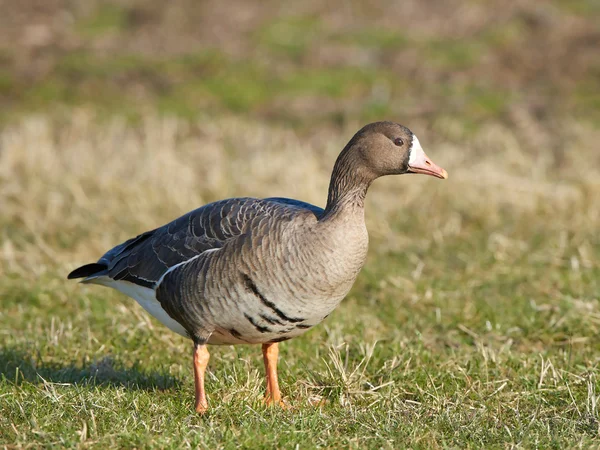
(525, 63)
(118, 116)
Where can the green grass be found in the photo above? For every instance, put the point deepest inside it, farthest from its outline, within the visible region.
(454, 54)
(376, 38)
(475, 322)
(290, 38)
(497, 362)
(204, 81)
(104, 19)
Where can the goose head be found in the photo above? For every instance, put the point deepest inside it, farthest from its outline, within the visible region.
(376, 150)
(388, 148)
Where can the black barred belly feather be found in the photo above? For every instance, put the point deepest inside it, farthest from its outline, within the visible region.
(234, 311)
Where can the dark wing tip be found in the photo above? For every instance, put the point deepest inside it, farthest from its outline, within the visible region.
(87, 271)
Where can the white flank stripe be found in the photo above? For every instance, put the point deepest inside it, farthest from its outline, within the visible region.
(170, 269)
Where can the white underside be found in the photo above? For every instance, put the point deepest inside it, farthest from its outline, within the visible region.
(146, 297)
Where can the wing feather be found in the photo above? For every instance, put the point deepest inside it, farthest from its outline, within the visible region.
(144, 259)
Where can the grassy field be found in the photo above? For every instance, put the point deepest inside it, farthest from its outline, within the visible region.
(476, 321)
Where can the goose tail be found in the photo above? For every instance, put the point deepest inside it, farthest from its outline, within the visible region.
(89, 272)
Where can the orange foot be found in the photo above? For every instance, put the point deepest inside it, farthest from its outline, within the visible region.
(269, 401)
(201, 407)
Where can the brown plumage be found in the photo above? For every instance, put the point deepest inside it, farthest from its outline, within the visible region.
(260, 271)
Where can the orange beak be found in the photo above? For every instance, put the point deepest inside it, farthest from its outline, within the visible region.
(419, 162)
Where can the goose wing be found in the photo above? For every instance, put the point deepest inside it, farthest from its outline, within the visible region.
(144, 259)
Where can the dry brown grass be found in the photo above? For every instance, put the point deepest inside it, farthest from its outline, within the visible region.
(69, 192)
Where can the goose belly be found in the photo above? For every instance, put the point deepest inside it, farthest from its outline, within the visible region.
(260, 306)
(252, 318)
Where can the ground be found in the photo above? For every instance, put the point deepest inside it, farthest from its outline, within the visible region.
(476, 320)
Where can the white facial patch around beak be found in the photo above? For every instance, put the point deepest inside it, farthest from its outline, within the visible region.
(416, 151)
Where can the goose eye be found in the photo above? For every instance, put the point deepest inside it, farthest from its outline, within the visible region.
(399, 142)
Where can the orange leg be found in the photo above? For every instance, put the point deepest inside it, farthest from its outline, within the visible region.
(201, 357)
(270, 355)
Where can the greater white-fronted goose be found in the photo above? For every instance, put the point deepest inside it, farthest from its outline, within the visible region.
(260, 271)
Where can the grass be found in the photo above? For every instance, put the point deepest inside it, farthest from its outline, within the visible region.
(476, 320)
(105, 19)
(304, 66)
(474, 324)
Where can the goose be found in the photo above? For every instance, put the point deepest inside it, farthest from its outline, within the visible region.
(260, 270)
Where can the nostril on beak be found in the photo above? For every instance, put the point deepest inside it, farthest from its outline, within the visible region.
(427, 162)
